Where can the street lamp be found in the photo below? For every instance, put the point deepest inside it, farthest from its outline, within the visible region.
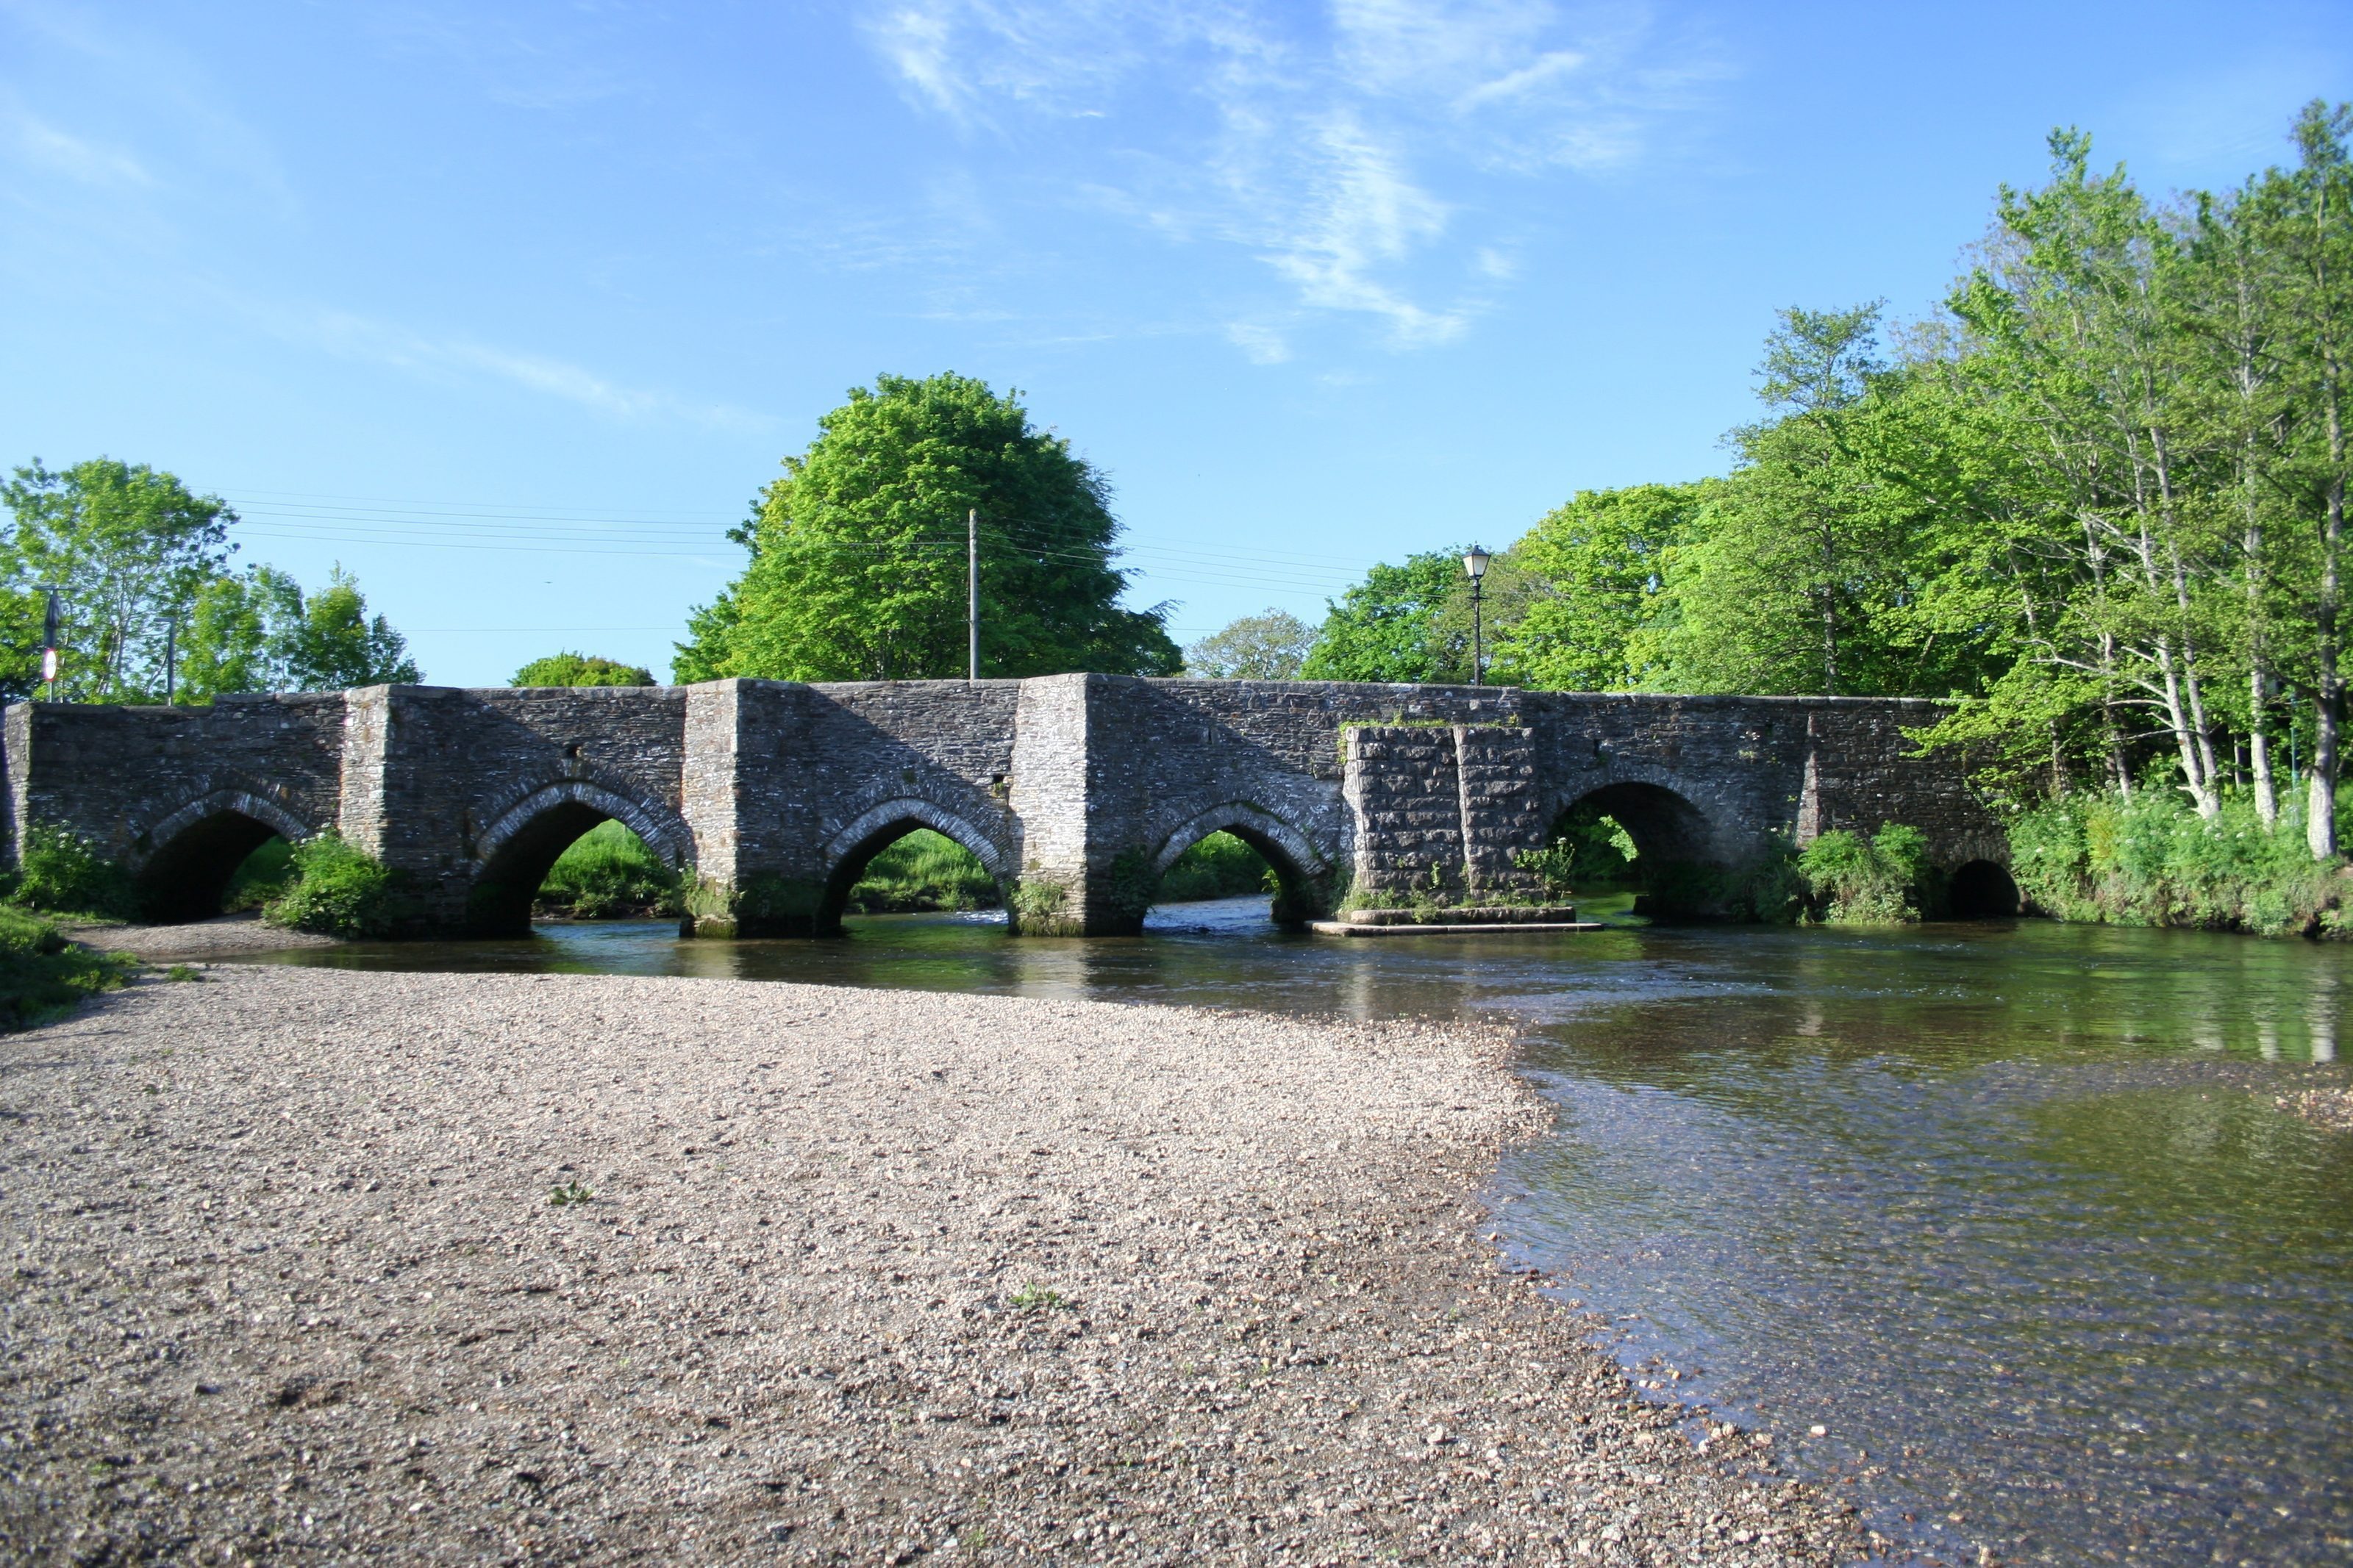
(49, 638)
(1475, 563)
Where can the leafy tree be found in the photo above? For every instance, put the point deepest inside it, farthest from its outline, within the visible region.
(339, 645)
(1804, 550)
(581, 669)
(234, 640)
(1391, 625)
(1270, 646)
(858, 568)
(1598, 566)
(259, 632)
(1416, 621)
(2310, 229)
(129, 548)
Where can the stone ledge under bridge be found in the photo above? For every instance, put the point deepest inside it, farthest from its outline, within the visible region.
(1074, 791)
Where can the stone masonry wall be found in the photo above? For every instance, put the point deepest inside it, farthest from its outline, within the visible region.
(116, 775)
(460, 772)
(1075, 790)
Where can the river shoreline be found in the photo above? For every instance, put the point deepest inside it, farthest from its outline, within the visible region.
(854, 1275)
(223, 936)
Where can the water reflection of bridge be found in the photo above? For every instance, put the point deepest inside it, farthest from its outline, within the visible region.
(1073, 791)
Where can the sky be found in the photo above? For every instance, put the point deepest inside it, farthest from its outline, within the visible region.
(511, 309)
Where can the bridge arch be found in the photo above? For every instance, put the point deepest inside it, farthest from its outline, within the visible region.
(1679, 852)
(1664, 824)
(1983, 890)
(192, 853)
(513, 855)
(849, 850)
(1305, 871)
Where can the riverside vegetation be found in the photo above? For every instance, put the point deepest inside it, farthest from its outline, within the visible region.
(2095, 498)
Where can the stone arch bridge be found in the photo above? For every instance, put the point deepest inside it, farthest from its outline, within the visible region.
(1074, 791)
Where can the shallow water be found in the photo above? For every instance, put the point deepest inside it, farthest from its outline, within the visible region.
(2007, 1210)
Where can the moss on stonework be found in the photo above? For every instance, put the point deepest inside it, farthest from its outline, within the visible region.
(764, 901)
(1125, 890)
(1039, 907)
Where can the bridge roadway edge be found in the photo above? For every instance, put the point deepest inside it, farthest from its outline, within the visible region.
(1077, 789)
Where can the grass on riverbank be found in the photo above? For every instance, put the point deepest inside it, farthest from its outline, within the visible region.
(2154, 861)
(62, 873)
(923, 870)
(262, 876)
(42, 973)
(1219, 867)
(927, 871)
(609, 873)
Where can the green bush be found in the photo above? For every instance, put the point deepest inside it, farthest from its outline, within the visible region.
(1550, 866)
(2154, 861)
(1218, 867)
(1771, 889)
(65, 873)
(42, 973)
(337, 890)
(1868, 881)
(1604, 852)
(609, 873)
(581, 669)
(923, 870)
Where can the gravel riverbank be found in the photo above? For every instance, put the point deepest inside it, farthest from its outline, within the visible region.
(851, 1276)
(200, 938)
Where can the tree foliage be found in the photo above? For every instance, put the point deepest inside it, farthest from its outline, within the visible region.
(2098, 499)
(1270, 646)
(259, 632)
(858, 568)
(581, 669)
(128, 548)
(1394, 626)
(1598, 567)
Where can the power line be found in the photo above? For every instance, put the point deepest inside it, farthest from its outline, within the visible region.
(1208, 573)
(564, 517)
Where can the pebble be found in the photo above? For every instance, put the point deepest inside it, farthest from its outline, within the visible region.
(312, 1266)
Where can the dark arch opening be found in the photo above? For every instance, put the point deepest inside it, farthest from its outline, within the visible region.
(1673, 861)
(507, 889)
(185, 878)
(1238, 859)
(851, 868)
(1983, 891)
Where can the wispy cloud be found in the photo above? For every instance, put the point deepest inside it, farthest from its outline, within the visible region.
(351, 336)
(1259, 343)
(1355, 158)
(41, 146)
(1365, 214)
(189, 138)
(510, 60)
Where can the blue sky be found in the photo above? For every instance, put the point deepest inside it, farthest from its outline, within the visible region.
(511, 308)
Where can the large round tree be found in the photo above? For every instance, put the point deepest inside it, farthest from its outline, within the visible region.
(857, 552)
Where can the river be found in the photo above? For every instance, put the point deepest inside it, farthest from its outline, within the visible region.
(1997, 1227)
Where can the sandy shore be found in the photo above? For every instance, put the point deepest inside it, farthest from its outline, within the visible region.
(203, 939)
(856, 1277)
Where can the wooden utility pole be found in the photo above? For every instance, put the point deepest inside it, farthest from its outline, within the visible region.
(972, 593)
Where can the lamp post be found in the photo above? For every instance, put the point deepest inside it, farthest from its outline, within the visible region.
(1474, 562)
(49, 638)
